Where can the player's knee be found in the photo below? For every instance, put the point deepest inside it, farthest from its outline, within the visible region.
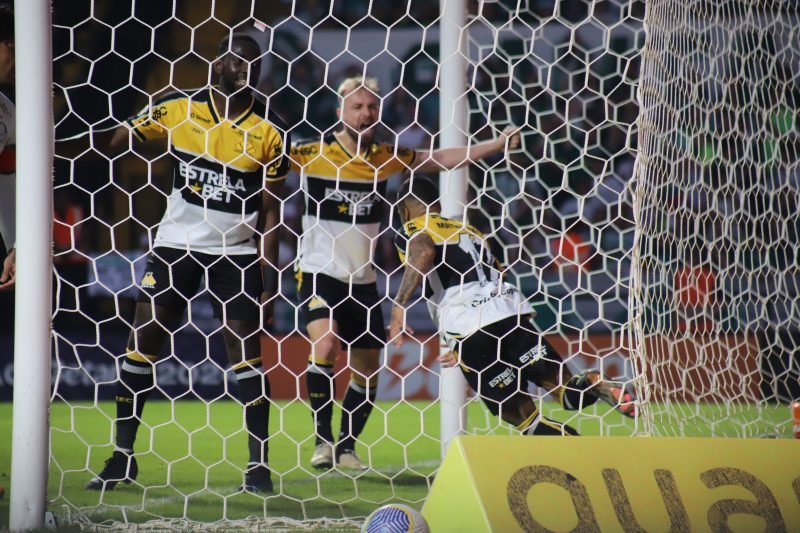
(364, 381)
(323, 350)
(241, 331)
(519, 411)
(367, 362)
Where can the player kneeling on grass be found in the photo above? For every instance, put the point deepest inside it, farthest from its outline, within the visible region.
(486, 322)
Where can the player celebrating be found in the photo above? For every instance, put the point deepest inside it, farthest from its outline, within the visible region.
(8, 179)
(344, 176)
(485, 321)
(229, 168)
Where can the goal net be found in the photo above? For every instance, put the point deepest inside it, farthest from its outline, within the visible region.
(679, 280)
(716, 201)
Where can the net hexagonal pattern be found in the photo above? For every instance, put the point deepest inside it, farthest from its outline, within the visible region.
(560, 208)
(716, 200)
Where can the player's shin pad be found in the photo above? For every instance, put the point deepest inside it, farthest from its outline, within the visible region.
(254, 393)
(136, 380)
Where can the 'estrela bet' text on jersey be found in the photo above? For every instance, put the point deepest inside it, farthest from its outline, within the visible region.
(345, 201)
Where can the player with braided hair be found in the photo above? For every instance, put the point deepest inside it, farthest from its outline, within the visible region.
(485, 321)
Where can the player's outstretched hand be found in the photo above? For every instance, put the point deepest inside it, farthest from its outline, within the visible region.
(509, 138)
(397, 325)
(9, 275)
(447, 360)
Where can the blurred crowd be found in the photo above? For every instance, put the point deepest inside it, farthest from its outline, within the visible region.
(566, 72)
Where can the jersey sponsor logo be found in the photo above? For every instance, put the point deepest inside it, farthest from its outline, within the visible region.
(358, 203)
(148, 281)
(239, 148)
(449, 225)
(199, 118)
(209, 184)
(305, 150)
(317, 303)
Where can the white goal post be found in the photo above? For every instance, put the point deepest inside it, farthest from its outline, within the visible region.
(32, 363)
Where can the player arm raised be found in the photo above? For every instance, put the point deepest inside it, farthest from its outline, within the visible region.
(95, 143)
(452, 158)
(419, 261)
(151, 123)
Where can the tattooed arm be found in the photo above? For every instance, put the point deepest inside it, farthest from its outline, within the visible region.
(419, 261)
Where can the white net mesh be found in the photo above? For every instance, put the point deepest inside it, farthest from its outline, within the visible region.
(717, 213)
(559, 206)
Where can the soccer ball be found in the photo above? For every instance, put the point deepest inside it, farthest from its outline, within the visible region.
(395, 518)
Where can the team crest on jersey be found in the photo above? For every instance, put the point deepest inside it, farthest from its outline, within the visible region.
(317, 303)
(159, 112)
(148, 281)
(239, 148)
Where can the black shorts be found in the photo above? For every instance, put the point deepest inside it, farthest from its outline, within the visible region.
(500, 359)
(172, 277)
(356, 309)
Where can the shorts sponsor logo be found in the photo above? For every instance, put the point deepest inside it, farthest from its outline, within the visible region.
(317, 303)
(503, 380)
(148, 281)
(534, 355)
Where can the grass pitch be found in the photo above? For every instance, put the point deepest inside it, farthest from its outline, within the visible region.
(191, 455)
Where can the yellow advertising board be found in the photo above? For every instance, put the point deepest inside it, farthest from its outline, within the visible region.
(592, 484)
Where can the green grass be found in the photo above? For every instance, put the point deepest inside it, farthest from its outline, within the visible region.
(191, 456)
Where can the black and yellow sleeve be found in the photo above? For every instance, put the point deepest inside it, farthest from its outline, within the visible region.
(152, 122)
(277, 165)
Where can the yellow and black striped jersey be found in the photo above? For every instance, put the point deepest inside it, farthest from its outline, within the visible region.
(462, 252)
(345, 198)
(220, 167)
(464, 288)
